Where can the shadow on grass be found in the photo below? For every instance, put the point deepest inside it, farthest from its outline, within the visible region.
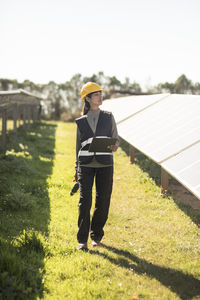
(154, 171)
(194, 214)
(25, 211)
(184, 285)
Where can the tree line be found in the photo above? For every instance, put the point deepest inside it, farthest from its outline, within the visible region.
(62, 101)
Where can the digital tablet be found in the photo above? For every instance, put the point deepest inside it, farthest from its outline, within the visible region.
(101, 144)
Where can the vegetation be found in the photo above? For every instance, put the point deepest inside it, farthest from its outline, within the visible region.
(62, 101)
(9, 125)
(151, 246)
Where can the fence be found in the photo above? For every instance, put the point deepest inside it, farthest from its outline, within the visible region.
(18, 106)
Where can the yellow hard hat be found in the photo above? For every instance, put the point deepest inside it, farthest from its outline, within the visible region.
(89, 87)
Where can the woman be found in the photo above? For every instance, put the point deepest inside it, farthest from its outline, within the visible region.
(90, 165)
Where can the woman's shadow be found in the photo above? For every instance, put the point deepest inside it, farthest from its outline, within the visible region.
(184, 285)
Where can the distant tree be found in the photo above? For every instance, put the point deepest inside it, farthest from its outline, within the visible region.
(53, 100)
(8, 84)
(102, 79)
(28, 86)
(99, 78)
(114, 83)
(4, 84)
(93, 78)
(166, 87)
(113, 86)
(130, 88)
(196, 88)
(183, 85)
(73, 88)
(65, 97)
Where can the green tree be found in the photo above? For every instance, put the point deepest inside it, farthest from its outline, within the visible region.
(114, 83)
(53, 100)
(8, 84)
(196, 88)
(73, 88)
(166, 87)
(130, 88)
(183, 85)
(99, 78)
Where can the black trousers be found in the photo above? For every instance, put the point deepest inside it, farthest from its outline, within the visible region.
(104, 181)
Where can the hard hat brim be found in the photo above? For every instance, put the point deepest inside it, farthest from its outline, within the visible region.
(84, 96)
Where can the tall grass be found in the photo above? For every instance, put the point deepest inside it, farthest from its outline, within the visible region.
(151, 246)
(24, 211)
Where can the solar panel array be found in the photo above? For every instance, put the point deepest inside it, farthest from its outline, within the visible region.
(166, 128)
(124, 107)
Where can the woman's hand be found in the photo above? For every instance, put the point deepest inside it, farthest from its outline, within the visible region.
(76, 176)
(113, 148)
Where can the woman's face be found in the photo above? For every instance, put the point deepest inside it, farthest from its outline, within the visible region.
(96, 99)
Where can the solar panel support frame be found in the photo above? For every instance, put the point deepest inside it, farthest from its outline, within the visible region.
(4, 129)
(164, 181)
(131, 153)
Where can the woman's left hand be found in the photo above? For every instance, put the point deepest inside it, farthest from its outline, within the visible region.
(113, 148)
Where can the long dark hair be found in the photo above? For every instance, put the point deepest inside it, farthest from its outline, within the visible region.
(86, 106)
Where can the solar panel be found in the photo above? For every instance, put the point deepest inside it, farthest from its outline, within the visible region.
(185, 167)
(123, 107)
(166, 128)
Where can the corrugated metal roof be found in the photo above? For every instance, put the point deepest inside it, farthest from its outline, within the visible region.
(19, 91)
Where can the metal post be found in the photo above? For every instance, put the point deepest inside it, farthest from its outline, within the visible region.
(131, 153)
(24, 116)
(164, 181)
(34, 113)
(15, 114)
(4, 129)
(29, 115)
(19, 116)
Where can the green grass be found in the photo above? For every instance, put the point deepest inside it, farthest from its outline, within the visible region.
(151, 247)
(9, 125)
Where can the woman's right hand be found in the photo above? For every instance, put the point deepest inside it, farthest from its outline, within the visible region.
(76, 176)
(113, 148)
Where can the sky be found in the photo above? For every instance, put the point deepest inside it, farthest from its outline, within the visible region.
(148, 41)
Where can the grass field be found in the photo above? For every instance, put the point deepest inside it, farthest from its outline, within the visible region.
(151, 247)
(9, 125)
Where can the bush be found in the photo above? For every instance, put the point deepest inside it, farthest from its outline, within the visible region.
(15, 164)
(69, 116)
(18, 278)
(17, 199)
